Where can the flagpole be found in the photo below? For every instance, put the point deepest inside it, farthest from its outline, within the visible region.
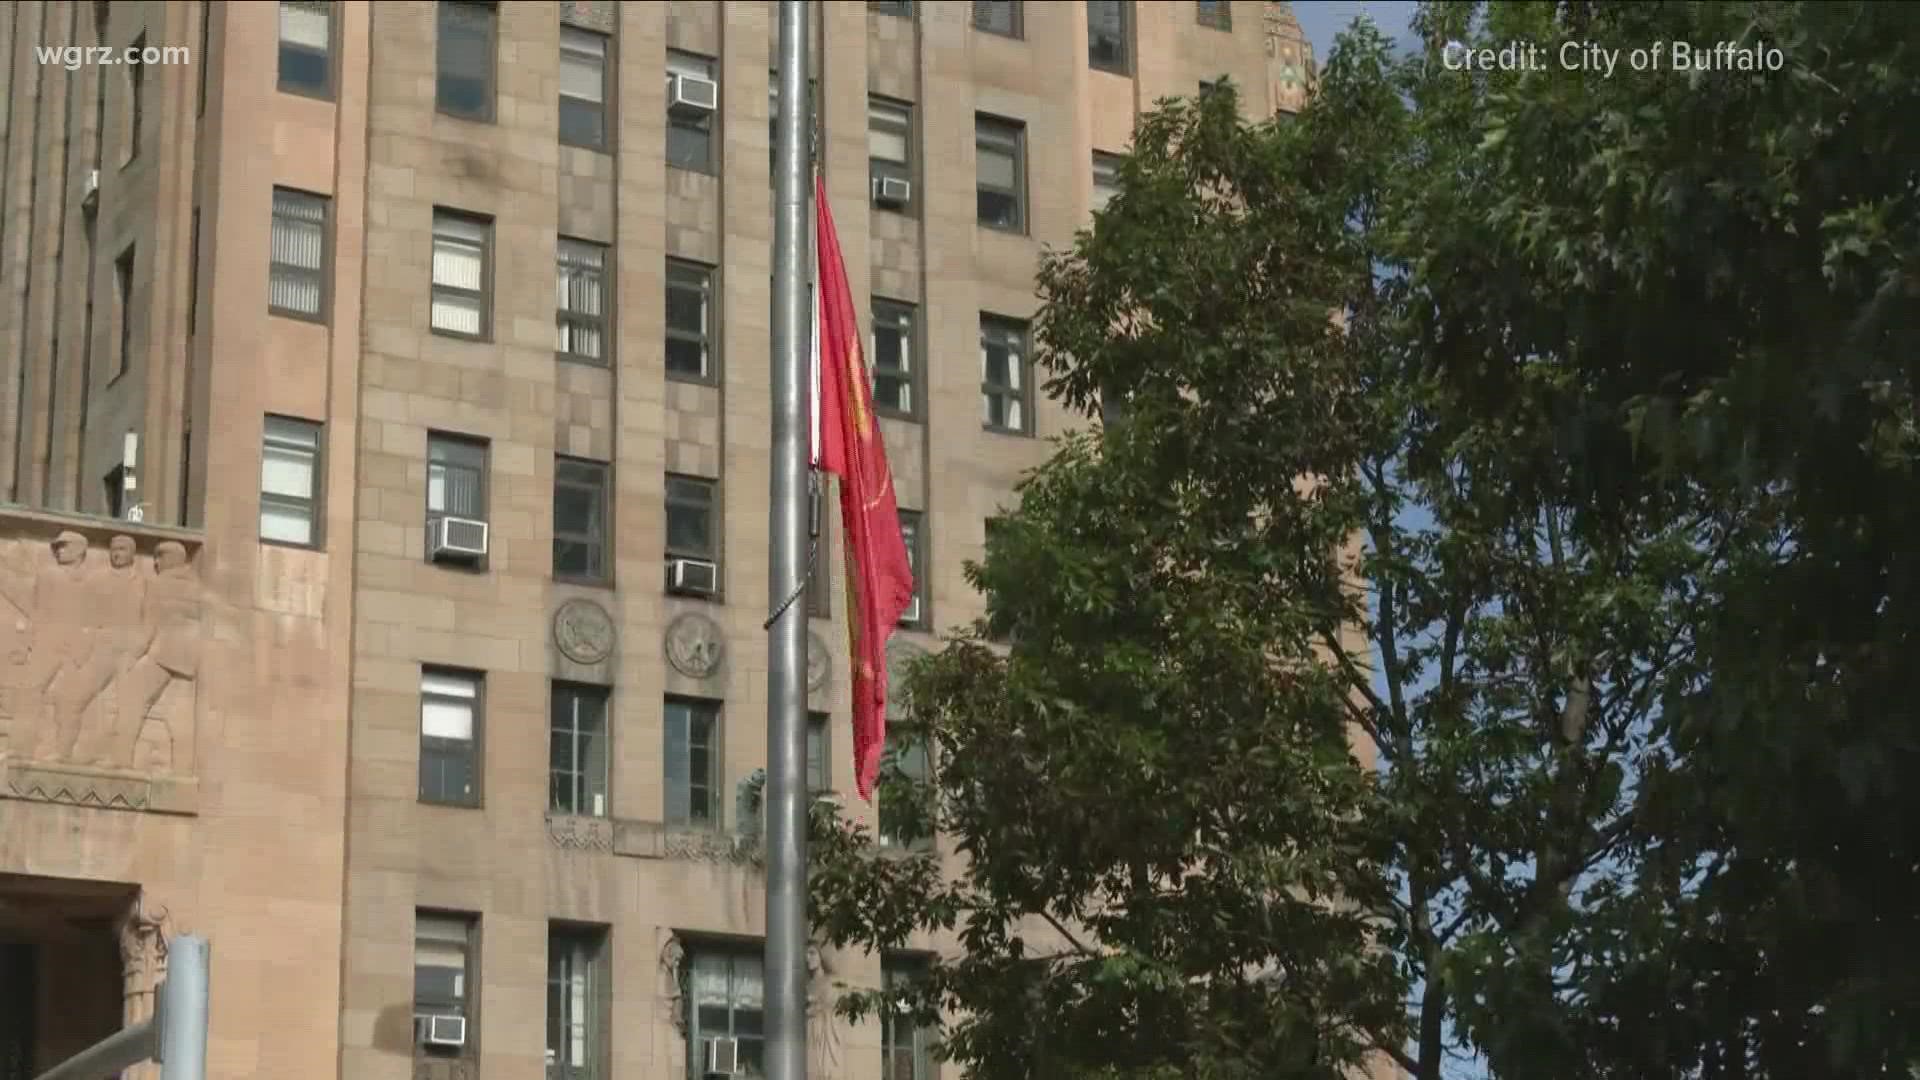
(785, 799)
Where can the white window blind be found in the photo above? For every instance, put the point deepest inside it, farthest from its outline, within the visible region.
(307, 23)
(887, 127)
(446, 706)
(459, 263)
(583, 65)
(298, 251)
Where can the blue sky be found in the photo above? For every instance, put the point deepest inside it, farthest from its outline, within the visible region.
(1324, 19)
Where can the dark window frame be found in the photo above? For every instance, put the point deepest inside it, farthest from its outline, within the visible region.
(329, 57)
(1016, 27)
(878, 167)
(895, 968)
(1003, 130)
(569, 258)
(1121, 64)
(1022, 330)
(124, 267)
(469, 454)
(899, 9)
(913, 532)
(599, 541)
(482, 296)
(321, 275)
(136, 99)
(588, 944)
(477, 704)
(193, 275)
(578, 799)
(711, 507)
(605, 143)
(468, 1005)
(708, 337)
(1216, 14)
(894, 311)
(489, 13)
(313, 506)
(205, 57)
(713, 782)
(705, 67)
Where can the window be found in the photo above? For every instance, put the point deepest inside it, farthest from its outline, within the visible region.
(893, 361)
(296, 276)
(903, 1045)
(1107, 34)
(306, 42)
(902, 8)
(580, 497)
(193, 274)
(136, 98)
(464, 83)
(689, 123)
(690, 514)
(902, 828)
(910, 534)
(1000, 153)
(443, 971)
(577, 757)
(462, 251)
(578, 1003)
(690, 320)
(1005, 370)
(819, 761)
(889, 145)
(1106, 178)
(725, 994)
(290, 482)
(583, 88)
(456, 477)
(581, 312)
(997, 17)
(1215, 13)
(206, 62)
(114, 487)
(693, 762)
(123, 286)
(449, 736)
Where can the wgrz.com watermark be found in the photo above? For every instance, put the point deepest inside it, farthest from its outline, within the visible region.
(75, 57)
(1607, 61)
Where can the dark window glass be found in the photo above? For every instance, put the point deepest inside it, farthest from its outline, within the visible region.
(444, 974)
(465, 56)
(136, 97)
(306, 47)
(997, 17)
(456, 477)
(689, 120)
(903, 1044)
(1001, 181)
(690, 512)
(894, 363)
(898, 828)
(450, 727)
(902, 8)
(689, 320)
(1215, 13)
(580, 519)
(578, 1006)
(1107, 35)
(692, 762)
(1005, 375)
(123, 287)
(577, 759)
(583, 88)
(910, 533)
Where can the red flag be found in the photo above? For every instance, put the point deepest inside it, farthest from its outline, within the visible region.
(847, 443)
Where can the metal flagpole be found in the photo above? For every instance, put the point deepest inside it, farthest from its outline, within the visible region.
(786, 838)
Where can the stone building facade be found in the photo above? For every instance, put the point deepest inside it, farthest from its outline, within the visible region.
(279, 326)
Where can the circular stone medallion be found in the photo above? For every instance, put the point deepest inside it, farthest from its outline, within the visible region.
(583, 630)
(694, 645)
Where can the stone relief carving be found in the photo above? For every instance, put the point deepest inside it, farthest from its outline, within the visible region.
(819, 663)
(99, 657)
(580, 834)
(143, 957)
(592, 14)
(695, 646)
(583, 631)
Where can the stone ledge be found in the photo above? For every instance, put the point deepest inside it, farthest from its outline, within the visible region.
(24, 521)
(103, 789)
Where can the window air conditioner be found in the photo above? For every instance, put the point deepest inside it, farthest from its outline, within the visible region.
(912, 613)
(892, 190)
(90, 190)
(446, 1031)
(692, 95)
(723, 1057)
(697, 576)
(457, 539)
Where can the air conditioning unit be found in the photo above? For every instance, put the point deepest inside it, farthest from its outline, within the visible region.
(892, 190)
(442, 1031)
(692, 95)
(696, 576)
(90, 190)
(723, 1057)
(457, 539)
(912, 613)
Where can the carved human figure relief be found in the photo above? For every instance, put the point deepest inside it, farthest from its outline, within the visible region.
(170, 625)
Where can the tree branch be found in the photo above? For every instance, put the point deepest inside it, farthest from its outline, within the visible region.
(1078, 945)
(1358, 680)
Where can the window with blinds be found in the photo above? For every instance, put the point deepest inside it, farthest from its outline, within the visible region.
(443, 973)
(890, 143)
(456, 477)
(296, 278)
(290, 482)
(306, 46)
(1106, 178)
(449, 737)
(583, 88)
(462, 246)
(1001, 180)
(578, 1009)
(581, 315)
(1005, 375)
